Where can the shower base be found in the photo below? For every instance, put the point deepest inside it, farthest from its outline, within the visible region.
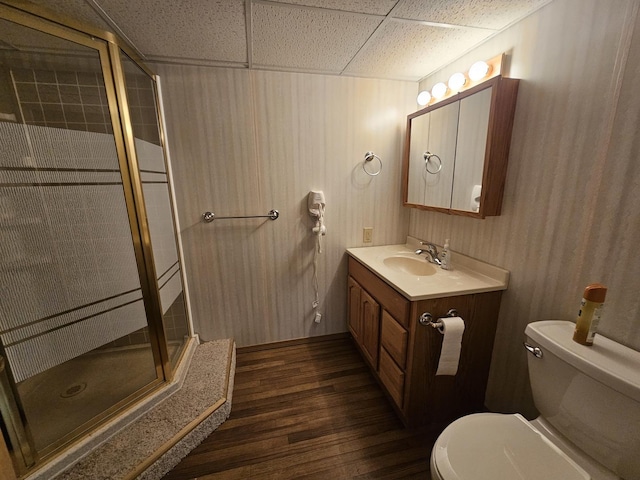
(163, 433)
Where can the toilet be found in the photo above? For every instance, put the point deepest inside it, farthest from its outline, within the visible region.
(589, 423)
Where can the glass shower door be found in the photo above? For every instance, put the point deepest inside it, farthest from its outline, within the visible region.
(73, 322)
(154, 177)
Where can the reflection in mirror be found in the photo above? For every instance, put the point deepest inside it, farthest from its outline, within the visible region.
(432, 156)
(470, 151)
(442, 143)
(417, 167)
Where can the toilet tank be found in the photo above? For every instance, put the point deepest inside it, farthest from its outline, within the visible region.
(591, 395)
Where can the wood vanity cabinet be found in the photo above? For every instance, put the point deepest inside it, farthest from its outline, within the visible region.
(403, 354)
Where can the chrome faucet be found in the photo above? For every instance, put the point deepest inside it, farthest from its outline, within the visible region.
(432, 252)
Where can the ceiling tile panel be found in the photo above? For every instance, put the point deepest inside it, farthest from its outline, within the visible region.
(325, 36)
(78, 10)
(14, 36)
(411, 51)
(494, 14)
(195, 29)
(374, 7)
(307, 39)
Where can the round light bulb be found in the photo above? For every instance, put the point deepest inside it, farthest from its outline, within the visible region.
(457, 81)
(478, 70)
(439, 90)
(424, 97)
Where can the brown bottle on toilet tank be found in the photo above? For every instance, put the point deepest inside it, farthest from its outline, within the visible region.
(589, 314)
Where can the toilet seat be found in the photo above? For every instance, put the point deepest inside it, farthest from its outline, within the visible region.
(488, 446)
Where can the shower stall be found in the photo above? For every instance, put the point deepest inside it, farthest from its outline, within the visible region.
(92, 307)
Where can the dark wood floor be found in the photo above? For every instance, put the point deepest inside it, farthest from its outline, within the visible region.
(309, 411)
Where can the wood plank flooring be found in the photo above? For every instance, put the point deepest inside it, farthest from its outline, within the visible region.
(309, 411)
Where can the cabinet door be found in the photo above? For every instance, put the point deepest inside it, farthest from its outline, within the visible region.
(473, 126)
(443, 128)
(353, 301)
(370, 315)
(417, 171)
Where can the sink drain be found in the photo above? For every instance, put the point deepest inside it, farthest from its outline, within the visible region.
(74, 390)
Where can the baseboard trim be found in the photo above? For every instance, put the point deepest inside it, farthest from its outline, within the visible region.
(296, 341)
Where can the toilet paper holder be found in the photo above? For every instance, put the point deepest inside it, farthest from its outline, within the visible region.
(427, 319)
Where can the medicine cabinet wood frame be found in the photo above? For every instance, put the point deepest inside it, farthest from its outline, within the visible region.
(501, 115)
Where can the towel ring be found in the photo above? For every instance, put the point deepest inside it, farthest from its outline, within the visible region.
(368, 157)
(427, 157)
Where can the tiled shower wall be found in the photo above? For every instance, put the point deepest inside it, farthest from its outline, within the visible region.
(570, 211)
(62, 99)
(76, 100)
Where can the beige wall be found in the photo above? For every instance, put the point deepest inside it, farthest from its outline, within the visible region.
(243, 142)
(246, 141)
(572, 201)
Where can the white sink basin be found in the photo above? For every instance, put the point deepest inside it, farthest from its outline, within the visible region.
(417, 279)
(411, 265)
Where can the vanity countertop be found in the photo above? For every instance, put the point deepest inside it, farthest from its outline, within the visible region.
(467, 275)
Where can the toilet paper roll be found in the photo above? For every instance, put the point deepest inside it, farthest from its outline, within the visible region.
(452, 329)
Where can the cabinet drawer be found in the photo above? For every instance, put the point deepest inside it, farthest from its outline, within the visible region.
(394, 339)
(392, 377)
(389, 299)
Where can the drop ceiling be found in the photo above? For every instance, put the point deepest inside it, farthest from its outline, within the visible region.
(393, 39)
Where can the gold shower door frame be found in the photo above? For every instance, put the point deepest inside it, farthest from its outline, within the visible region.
(108, 46)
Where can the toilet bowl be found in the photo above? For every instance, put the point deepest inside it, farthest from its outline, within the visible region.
(589, 424)
(489, 446)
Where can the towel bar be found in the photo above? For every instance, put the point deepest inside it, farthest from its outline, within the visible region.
(210, 216)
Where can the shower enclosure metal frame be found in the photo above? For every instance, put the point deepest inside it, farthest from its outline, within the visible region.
(110, 48)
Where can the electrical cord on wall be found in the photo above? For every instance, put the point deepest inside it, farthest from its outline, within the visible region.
(316, 205)
(319, 231)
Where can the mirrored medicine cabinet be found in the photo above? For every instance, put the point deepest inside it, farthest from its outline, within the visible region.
(456, 151)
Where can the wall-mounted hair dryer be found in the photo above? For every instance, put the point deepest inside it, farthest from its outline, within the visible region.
(316, 205)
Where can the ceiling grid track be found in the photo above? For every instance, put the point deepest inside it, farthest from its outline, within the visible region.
(373, 35)
(403, 40)
(248, 25)
(105, 16)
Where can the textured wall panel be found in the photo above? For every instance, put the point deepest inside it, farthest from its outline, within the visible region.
(165, 252)
(244, 142)
(57, 346)
(569, 215)
(170, 290)
(45, 147)
(150, 156)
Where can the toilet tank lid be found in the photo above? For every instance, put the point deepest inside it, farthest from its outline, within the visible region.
(607, 361)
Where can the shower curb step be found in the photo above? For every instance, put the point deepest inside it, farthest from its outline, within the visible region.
(154, 443)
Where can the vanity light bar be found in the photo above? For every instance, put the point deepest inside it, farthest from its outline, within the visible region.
(459, 82)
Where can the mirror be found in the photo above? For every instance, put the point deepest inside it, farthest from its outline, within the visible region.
(456, 151)
(432, 157)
